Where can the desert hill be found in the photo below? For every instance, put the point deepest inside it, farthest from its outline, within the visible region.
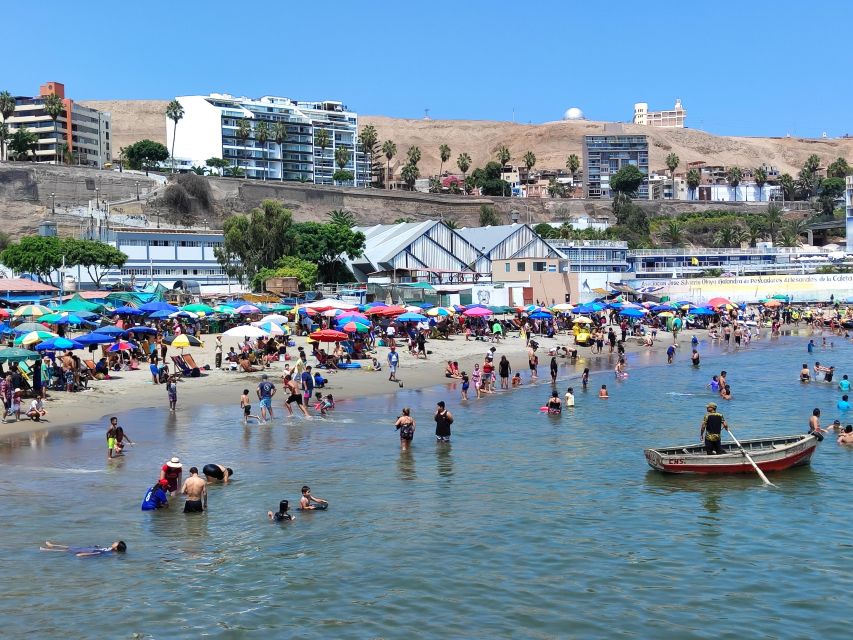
(552, 142)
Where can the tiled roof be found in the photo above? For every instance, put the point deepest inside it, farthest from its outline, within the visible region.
(22, 284)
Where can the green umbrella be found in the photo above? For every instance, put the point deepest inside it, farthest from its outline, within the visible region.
(225, 309)
(198, 308)
(34, 336)
(281, 307)
(17, 355)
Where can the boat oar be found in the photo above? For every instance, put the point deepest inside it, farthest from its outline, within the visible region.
(751, 461)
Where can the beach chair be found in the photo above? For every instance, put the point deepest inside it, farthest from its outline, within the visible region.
(91, 365)
(181, 369)
(190, 362)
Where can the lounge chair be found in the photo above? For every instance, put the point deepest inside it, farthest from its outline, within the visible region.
(184, 368)
(190, 362)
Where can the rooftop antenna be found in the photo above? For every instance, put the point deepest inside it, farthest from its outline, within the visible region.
(426, 114)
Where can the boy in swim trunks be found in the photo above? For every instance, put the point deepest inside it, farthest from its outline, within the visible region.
(246, 406)
(111, 436)
(309, 503)
(293, 395)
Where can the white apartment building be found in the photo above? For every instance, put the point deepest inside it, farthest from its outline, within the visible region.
(210, 129)
(848, 202)
(80, 134)
(672, 118)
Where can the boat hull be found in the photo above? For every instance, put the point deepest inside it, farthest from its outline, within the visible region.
(770, 454)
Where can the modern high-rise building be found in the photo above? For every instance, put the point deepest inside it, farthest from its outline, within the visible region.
(80, 135)
(213, 127)
(848, 201)
(672, 118)
(604, 155)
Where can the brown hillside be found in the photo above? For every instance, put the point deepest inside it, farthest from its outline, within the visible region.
(552, 142)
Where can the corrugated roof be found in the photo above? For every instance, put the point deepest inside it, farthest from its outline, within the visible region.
(22, 284)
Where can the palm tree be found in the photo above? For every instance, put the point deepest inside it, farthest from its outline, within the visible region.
(693, 179)
(444, 155)
(729, 235)
(733, 177)
(464, 163)
(773, 221)
(23, 142)
(672, 233)
(573, 163)
(789, 186)
(672, 162)
(760, 176)
(244, 132)
(279, 135)
(390, 150)
(529, 162)
(262, 134)
(7, 110)
(414, 155)
(566, 230)
(409, 174)
(756, 227)
(503, 155)
(790, 231)
(174, 112)
(4, 136)
(53, 107)
(368, 139)
(322, 139)
(342, 218)
(341, 157)
(450, 223)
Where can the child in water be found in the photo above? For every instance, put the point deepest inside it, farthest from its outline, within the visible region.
(516, 380)
(602, 394)
(246, 406)
(465, 384)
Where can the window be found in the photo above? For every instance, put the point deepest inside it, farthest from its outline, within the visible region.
(538, 266)
(506, 267)
(519, 266)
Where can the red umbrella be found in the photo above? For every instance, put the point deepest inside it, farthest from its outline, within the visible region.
(329, 335)
(718, 302)
(4, 313)
(391, 311)
(477, 312)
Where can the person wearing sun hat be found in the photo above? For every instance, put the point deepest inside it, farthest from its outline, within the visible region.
(710, 432)
(171, 472)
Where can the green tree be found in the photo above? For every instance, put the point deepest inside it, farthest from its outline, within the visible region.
(5, 240)
(733, 176)
(556, 189)
(760, 177)
(54, 107)
(672, 161)
(390, 150)
(829, 191)
(729, 235)
(450, 223)
(444, 156)
(199, 171)
(694, 179)
(529, 162)
(627, 180)
(326, 245)
(464, 163)
(217, 163)
(341, 157)
(413, 155)
(145, 154)
(244, 132)
(503, 155)
(489, 216)
(773, 221)
(97, 257)
(175, 113)
(7, 110)
(262, 135)
(40, 256)
(756, 228)
(368, 139)
(4, 137)
(488, 179)
(808, 181)
(341, 176)
(23, 143)
(838, 169)
(288, 267)
(322, 139)
(672, 233)
(545, 230)
(573, 163)
(256, 241)
(410, 174)
(342, 217)
(789, 186)
(235, 172)
(435, 184)
(789, 234)
(279, 136)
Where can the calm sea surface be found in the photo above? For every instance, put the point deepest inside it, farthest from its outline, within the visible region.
(525, 526)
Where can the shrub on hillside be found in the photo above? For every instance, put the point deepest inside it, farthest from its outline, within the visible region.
(198, 187)
(177, 200)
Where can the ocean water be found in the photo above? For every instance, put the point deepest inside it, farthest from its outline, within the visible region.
(525, 526)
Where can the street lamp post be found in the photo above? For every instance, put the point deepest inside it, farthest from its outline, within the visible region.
(137, 190)
(97, 199)
(52, 203)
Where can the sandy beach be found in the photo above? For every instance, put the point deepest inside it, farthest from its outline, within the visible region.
(129, 390)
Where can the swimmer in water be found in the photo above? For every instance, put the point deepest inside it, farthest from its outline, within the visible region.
(281, 515)
(714, 385)
(694, 357)
(81, 552)
(847, 436)
(570, 397)
(805, 374)
(554, 405)
(309, 503)
(217, 473)
(516, 379)
(602, 393)
(726, 392)
(585, 378)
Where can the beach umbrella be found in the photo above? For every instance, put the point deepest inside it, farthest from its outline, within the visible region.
(280, 308)
(141, 330)
(95, 338)
(355, 327)
(477, 312)
(662, 307)
(331, 313)
(17, 355)
(329, 335)
(501, 309)
(770, 304)
(391, 311)
(5, 329)
(121, 345)
(30, 311)
(112, 330)
(666, 314)
(183, 341)
(413, 317)
(718, 302)
(34, 336)
(225, 309)
(274, 317)
(540, 315)
(272, 328)
(582, 320)
(440, 311)
(592, 307)
(246, 331)
(159, 315)
(184, 314)
(703, 311)
(346, 316)
(247, 309)
(69, 319)
(412, 308)
(150, 307)
(26, 327)
(329, 303)
(425, 305)
(563, 306)
(59, 344)
(373, 305)
(4, 313)
(198, 307)
(127, 311)
(632, 313)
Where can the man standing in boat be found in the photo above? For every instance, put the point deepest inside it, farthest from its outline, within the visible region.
(713, 424)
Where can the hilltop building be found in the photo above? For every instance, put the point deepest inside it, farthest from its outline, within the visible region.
(209, 129)
(604, 155)
(80, 133)
(673, 118)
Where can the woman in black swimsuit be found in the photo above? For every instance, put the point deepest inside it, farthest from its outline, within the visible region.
(504, 370)
(406, 425)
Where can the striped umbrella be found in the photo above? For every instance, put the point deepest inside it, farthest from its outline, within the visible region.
(33, 337)
(30, 311)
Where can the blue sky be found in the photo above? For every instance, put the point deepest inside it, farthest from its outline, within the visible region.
(740, 68)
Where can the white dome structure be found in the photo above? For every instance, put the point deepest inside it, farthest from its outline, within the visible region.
(573, 113)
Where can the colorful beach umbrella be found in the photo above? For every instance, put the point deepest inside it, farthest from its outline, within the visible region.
(440, 311)
(247, 309)
(4, 313)
(563, 306)
(272, 328)
(33, 337)
(477, 312)
(718, 302)
(183, 341)
(355, 327)
(30, 311)
(94, 338)
(198, 307)
(184, 314)
(274, 317)
(582, 320)
(111, 330)
(329, 335)
(12, 354)
(127, 311)
(540, 315)
(411, 317)
(59, 344)
(121, 345)
(26, 327)
(225, 309)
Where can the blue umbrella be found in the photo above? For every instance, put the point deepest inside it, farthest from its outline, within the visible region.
(5, 328)
(71, 318)
(425, 305)
(663, 307)
(540, 315)
(160, 314)
(632, 313)
(158, 306)
(702, 311)
(128, 311)
(55, 344)
(112, 331)
(94, 338)
(142, 329)
(411, 317)
(592, 307)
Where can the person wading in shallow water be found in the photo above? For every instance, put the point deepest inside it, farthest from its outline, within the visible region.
(443, 420)
(711, 430)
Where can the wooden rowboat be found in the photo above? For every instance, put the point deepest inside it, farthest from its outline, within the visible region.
(770, 454)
